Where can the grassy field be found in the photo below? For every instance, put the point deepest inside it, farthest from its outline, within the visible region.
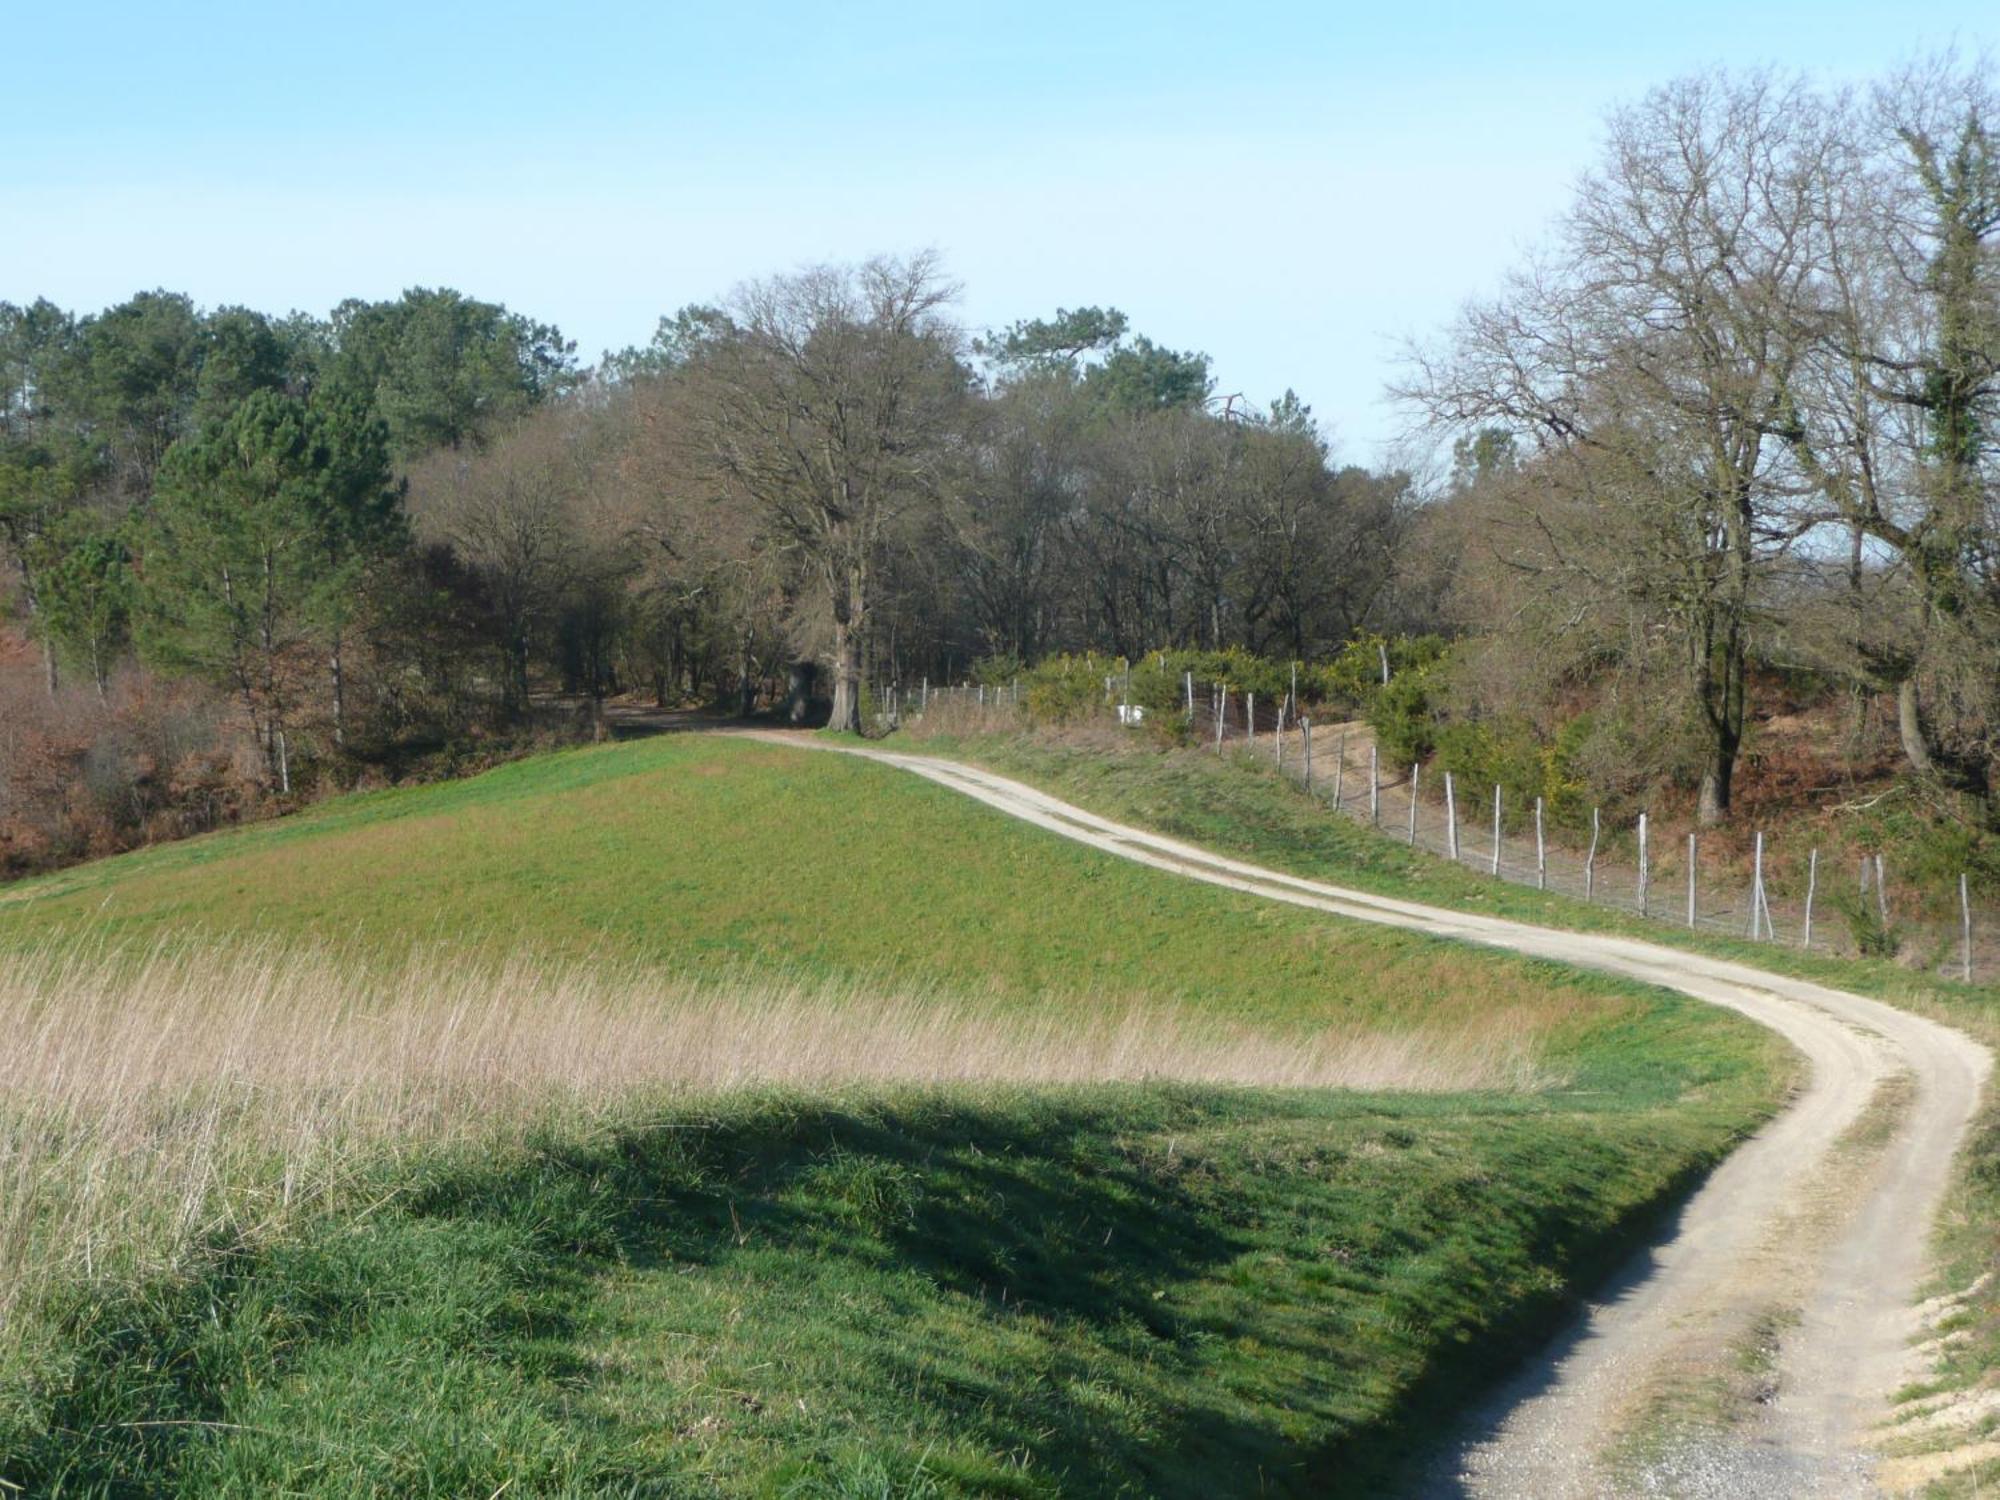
(699, 1117)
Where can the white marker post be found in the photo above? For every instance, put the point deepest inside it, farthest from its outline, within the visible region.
(1541, 851)
(1451, 817)
(1965, 928)
(1691, 869)
(1496, 828)
(1374, 788)
(1306, 741)
(1812, 889)
(1221, 708)
(1590, 859)
(1339, 768)
(1645, 871)
(1414, 768)
(1757, 887)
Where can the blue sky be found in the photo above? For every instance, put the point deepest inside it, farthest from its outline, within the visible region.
(1292, 188)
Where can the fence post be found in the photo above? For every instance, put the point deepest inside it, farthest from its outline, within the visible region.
(1383, 647)
(1221, 708)
(1278, 739)
(1965, 928)
(1813, 889)
(1881, 892)
(1645, 869)
(924, 698)
(1451, 816)
(1306, 739)
(1590, 859)
(1541, 851)
(1496, 828)
(1374, 787)
(1414, 768)
(1250, 719)
(1757, 886)
(1691, 868)
(1339, 768)
(1189, 679)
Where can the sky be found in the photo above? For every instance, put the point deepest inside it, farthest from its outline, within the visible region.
(1296, 189)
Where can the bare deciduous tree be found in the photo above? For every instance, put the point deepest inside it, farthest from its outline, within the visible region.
(833, 411)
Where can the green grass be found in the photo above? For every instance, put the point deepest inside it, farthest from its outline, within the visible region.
(1144, 1290)
(1109, 1291)
(705, 853)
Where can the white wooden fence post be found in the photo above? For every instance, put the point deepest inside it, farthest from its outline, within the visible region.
(1250, 719)
(1374, 787)
(1221, 708)
(1541, 851)
(1590, 859)
(1414, 768)
(1965, 928)
(1881, 891)
(1645, 869)
(1757, 887)
(1306, 740)
(1189, 680)
(1812, 889)
(1691, 869)
(1496, 828)
(1451, 816)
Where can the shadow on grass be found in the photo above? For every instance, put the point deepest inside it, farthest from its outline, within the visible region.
(1216, 1288)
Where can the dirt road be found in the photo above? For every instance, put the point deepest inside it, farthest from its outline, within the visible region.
(1753, 1350)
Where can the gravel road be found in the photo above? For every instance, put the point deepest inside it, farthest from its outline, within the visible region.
(1753, 1348)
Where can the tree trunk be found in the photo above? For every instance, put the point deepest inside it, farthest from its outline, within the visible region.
(846, 677)
(1716, 783)
(51, 676)
(1910, 727)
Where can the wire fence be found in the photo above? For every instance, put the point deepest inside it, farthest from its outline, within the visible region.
(1818, 905)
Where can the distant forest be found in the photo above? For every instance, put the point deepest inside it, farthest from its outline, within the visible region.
(1734, 427)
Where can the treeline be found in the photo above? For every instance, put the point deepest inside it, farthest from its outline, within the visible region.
(260, 555)
(1732, 438)
(1729, 443)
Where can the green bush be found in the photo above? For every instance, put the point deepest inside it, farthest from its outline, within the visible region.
(1511, 754)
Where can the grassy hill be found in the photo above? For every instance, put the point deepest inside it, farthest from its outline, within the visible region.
(490, 1226)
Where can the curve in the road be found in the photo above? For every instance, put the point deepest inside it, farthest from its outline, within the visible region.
(1794, 1214)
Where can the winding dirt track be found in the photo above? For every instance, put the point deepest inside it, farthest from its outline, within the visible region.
(1812, 1233)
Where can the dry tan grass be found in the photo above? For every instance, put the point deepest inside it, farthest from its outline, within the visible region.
(148, 1105)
